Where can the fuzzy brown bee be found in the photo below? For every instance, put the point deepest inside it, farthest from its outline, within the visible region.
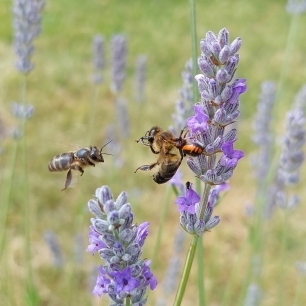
(76, 160)
(171, 151)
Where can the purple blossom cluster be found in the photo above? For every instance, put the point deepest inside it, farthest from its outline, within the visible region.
(218, 108)
(27, 26)
(189, 208)
(119, 244)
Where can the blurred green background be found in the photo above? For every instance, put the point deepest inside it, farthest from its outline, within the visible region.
(61, 91)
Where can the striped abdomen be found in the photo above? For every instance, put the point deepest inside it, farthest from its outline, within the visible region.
(61, 162)
(167, 169)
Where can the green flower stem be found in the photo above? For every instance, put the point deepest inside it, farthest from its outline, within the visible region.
(186, 271)
(200, 270)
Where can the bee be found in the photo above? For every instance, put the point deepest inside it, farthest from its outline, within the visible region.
(76, 160)
(171, 151)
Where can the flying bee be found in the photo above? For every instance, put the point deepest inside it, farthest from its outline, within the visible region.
(171, 151)
(76, 160)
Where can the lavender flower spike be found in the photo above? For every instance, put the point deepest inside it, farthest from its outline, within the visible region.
(119, 243)
(119, 51)
(98, 58)
(27, 26)
(218, 108)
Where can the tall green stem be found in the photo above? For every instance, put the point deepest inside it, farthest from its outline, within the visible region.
(186, 271)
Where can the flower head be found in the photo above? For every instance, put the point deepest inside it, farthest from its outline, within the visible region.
(187, 203)
(118, 242)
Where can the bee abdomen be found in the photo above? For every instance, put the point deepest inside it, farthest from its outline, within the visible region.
(61, 162)
(166, 172)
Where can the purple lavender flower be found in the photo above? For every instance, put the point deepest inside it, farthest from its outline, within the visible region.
(98, 58)
(140, 78)
(218, 108)
(27, 26)
(198, 122)
(187, 203)
(22, 111)
(119, 51)
(295, 7)
(118, 242)
(230, 156)
(262, 130)
(183, 106)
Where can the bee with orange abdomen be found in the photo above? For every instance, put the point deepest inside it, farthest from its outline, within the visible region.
(171, 151)
(76, 160)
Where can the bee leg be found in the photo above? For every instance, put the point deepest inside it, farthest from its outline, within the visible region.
(79, 168)
(146, 167)
(68, 179)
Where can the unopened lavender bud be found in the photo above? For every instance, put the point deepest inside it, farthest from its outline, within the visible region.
(183, 221)
(205, 68)
(125, 211)
(113, 217)
(109, 206)
(201, 80)
(106, 254)
(231, 135)
(212, 223)
(199, 227)
(103, 194)
(108, 239)
(194, 167)
(135, 270)
(127, 235)
(215, 48)
(101, 226)
(115, 260)
(222, 76)
(235, 45)
(204, 47)
(190, 228)
(118, 249)
(208, 212)
(224, 54)
(226, 93)
(212, 89)
(218, 143)
(231, 65)
(133, 249)
(95, 208)
(126, 257)
(122, 199)
(220, 116)
(210, 38)
(223, 37)
(128, 221)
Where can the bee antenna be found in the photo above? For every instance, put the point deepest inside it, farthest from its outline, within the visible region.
(107, 154)
(105, 146)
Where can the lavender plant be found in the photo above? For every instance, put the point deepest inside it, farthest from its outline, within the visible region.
(27, 26)
(124, 276)
(183, 106)
(118, 60)
(140, 78)
(98, 58)
(218, 108)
